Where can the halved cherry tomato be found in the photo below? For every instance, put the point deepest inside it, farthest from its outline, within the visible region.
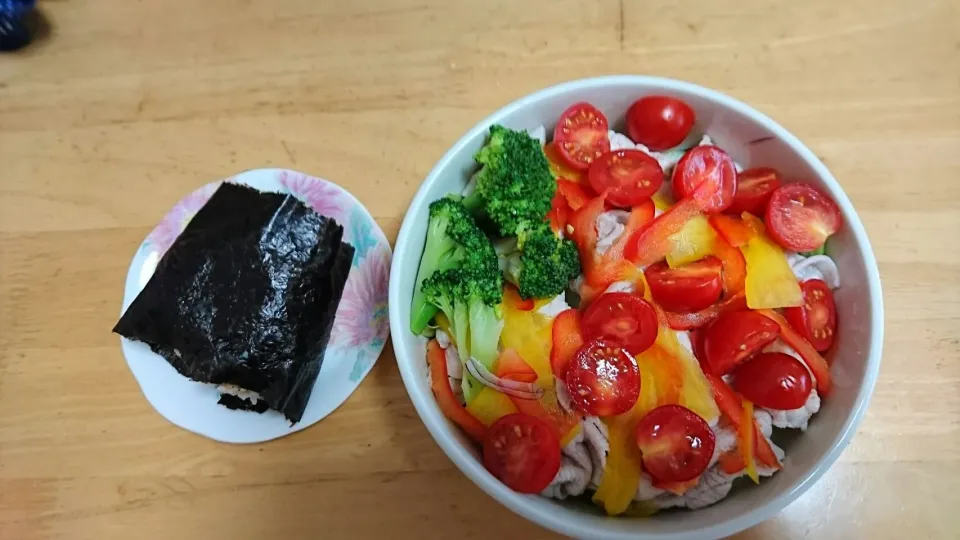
(621, 318)
(603, 379)
(523, 452)
(816, 319)
(732, 229)
(567, 340)
(628, 177)
(451, 408)
(675, 443)
(815, 363)
(691, 287)
(734, 337)
(581, 135)
(801, 217)
(775, 380)
(659, 122)
(754, 187)
(574, 193)
(707, 174)
(689, 321)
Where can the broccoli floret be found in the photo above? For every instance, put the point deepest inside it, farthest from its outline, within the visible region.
(453, 240)
(543, 264)
(470, 298)
(515, 185)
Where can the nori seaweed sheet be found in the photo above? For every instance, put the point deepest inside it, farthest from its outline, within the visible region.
(247, 295)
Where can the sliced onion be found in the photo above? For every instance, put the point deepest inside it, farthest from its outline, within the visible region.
(511, 388)
(824, 264)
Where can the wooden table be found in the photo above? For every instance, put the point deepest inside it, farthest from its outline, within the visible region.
(123, 107)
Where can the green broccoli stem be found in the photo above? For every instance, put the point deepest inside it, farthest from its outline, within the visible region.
(473, 202)
(439, 254)
(486, 325)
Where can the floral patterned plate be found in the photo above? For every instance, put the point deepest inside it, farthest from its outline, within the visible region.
(359, 330)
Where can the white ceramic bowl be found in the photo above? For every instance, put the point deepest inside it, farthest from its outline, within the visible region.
(752, 139)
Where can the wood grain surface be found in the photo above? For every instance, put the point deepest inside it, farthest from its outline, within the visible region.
(124, 106)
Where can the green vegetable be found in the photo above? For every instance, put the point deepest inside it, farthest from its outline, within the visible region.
(515, 186)
(470, 298)
(453, 240)
(540, 264)
(822, 250)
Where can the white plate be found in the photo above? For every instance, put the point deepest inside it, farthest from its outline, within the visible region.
(359, 333)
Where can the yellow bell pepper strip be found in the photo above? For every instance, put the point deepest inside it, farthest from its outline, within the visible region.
(440, 384)
(770, 282)
(558, 168)
(694, 242)
(747, 437)
(489, 405)
(816, 363)
(668, 375)
(529, 334)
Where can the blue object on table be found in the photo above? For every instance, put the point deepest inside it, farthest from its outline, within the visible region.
(14, 33)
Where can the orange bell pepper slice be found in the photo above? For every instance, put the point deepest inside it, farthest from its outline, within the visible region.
(440, 384)
(511, 296)
(510, 366)
(567, 340)
(818, 366)
(731, 406)
(557, 165)
(734, 267)
(576, 195)
(732, 229)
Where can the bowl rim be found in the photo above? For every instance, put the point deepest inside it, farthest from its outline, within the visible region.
(436, 423)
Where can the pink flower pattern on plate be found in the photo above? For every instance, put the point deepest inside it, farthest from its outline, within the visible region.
(321, 196)
(164, 234)
(362, 315)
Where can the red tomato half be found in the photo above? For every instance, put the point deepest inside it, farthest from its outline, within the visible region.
(523, 452)
(581, 135)
(676, 443)
(691, 287)
(736, 336)
(659, 122)
(754, 188)
(816, 319)
(801, 217)
(707, 174)
(775, 380)
(603, 379)
(621, 318)
(628, 177)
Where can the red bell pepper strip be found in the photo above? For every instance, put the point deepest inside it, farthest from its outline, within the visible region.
(734, 267)
(816, 363)
(576, 194)
(448, 403)
(567, 340)
(582, 227)
(732, 229)
(512, 367)
(559, 214)
(652, 243)
(689, 321)
(731, 407)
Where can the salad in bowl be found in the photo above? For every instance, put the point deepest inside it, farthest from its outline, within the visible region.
(618, 310)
